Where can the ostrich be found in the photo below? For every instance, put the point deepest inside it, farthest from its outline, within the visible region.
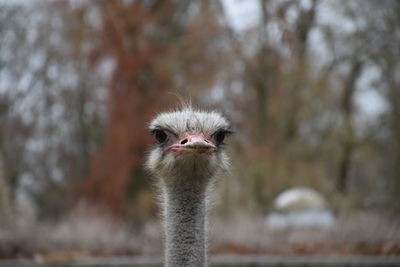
(188, 156)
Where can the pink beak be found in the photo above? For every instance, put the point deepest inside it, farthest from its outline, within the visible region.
(193, 143)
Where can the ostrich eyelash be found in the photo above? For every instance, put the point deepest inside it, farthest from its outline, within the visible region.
(224, 131)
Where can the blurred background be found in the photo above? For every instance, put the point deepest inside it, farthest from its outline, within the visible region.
(312, 88)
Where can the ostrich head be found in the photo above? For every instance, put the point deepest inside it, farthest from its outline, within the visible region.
(189, 145)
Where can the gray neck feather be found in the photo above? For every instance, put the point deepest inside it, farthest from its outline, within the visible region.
(185, 211)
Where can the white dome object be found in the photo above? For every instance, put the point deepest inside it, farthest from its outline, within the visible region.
(299, 198)
(321, 219)
(300, 207)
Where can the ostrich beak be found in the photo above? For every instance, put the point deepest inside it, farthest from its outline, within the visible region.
(193, 143)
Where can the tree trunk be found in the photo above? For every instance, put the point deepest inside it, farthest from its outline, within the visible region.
(304, 25)
(5, 196)
(137, 91)
(348, 142)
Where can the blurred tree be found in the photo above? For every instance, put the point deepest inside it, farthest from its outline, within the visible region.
(13, 129)
(347, 107)
(303, 25)
(6, 207)
(136, 35)
(52, 120)
(381, 35)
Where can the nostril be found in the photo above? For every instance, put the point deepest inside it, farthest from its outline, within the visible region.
(184, 141)
(206, 141)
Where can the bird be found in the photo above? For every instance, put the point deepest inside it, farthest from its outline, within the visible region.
(188, 156)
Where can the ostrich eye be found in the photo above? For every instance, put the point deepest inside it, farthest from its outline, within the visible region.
(219, 137)
(160, 136)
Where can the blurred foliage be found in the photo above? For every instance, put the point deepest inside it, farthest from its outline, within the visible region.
(80, 80)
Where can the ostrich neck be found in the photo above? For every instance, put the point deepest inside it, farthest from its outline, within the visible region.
(185, 224)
